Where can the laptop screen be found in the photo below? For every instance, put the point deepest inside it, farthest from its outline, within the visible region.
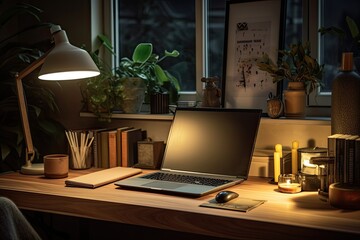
(212, 141)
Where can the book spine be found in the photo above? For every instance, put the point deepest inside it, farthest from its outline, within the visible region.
(339, 160)
(104, 159)
(112, 149)
(124, 149)
(357, 162)
(332, 144)
(95, 148)
(348, 162)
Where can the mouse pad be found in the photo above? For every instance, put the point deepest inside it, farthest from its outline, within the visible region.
(237, 204)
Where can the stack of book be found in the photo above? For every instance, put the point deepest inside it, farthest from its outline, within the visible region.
(116, 146)
(346, 152)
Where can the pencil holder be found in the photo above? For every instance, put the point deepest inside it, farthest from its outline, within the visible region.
(84, 163)
(80, 150)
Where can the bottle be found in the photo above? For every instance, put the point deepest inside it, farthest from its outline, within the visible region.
(345, 99)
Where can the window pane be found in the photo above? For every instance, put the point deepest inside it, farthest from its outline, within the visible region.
(294, 22)
(168, 25)
(215, 41)
(333, 13)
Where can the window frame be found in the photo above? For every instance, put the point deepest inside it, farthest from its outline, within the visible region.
(318, 103)
(312, 14)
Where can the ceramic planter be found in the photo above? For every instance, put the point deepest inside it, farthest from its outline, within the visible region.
(159, 103)
(295, 100)
(133, 95)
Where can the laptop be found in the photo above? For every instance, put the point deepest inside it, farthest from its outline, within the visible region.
(208, 149)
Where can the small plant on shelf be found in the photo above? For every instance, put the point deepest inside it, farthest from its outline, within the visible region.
(295, 65)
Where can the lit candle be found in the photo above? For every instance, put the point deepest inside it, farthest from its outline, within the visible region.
(294, 157)
(289, 187)
(278, 148)
(276, 166)
(289, 183)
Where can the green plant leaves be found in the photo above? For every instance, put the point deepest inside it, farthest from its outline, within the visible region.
(160, 74)
(354, 30)
(174, 53)
(142, 52)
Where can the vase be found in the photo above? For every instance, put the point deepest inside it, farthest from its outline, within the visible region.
(159, 103)
(295, 100)
(133, 95)
(345, 99)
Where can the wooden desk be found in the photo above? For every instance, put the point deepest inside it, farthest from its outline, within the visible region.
(296, 216)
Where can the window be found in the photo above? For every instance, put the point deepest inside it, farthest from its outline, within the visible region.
(330, 47)
(196, 29)
(168, 25)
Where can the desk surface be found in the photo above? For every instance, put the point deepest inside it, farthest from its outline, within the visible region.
(293, 215)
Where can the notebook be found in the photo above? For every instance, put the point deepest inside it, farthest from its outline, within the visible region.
(211, 147)
(102, 177)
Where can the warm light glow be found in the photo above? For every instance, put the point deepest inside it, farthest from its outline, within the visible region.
(69, 75)
(63, 62)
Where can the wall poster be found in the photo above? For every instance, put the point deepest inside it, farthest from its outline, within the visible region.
(252, 29)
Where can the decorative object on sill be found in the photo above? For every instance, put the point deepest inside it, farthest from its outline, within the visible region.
(159, 103)
(63, 62)
(289, 183)
(211, 93)
(144, 64)
(345, 99)
(298, 68)
(150, 154)
(274, 106)
(133, 94)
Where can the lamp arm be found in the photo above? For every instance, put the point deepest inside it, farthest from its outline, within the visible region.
(30, 153)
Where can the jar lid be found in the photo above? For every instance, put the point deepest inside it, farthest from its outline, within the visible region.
(313, 150)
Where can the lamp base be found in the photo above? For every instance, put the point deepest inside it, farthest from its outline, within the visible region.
(33, 169)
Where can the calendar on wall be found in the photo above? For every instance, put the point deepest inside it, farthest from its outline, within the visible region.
(252, 41)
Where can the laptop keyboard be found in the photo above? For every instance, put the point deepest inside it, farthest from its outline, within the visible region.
(186, 179)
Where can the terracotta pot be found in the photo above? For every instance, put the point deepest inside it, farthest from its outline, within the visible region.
(295, 100)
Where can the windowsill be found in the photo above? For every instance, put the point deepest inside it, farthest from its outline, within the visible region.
(303, 121)
(139, 116)
(169, 117)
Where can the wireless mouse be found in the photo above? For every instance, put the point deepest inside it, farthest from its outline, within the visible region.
(225, 196)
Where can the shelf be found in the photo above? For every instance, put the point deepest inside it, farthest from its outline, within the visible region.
(305, 121)
(139, 116)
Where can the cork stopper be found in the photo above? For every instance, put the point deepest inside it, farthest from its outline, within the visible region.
(347, 61)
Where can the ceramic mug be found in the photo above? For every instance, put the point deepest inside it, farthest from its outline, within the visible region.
(56, 165)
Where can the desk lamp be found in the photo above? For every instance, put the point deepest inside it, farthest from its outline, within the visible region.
(63, 62)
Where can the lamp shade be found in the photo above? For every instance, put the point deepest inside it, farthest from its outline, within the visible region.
(67, 62)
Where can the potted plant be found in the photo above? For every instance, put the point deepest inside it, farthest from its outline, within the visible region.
(144, 65)
(102, 94)
(303, 73)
